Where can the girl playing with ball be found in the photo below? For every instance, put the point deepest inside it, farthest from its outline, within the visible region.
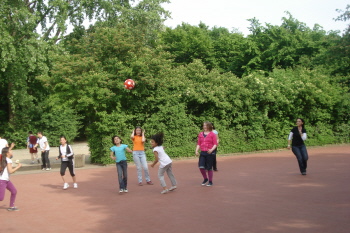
(65, 153)
(118, 154)
(138, 154)
(5, 171)
(165, 162)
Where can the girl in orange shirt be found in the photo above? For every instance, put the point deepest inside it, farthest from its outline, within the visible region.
(138, 138)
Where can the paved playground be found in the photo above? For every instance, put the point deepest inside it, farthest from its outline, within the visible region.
(258, 192)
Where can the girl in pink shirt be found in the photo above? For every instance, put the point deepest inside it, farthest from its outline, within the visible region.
(207, 143)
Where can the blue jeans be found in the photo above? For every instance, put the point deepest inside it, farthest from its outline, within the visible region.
(122, 169)
(301, 153)
(140, 160)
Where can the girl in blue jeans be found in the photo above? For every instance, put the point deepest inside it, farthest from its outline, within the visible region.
(297, 136)
(138, 154)
(118, 154)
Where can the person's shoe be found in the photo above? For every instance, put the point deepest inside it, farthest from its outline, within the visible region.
(150, 182)
(75, 185)
(43, 169)
(172, 188)
(216, 170)
(126, 191)
(38, 161)
(164, 191)
(48, 169)
(32, 162)
(121, 190)
(13, 209)
(303, 173)
(140, 184)
(65, 186)
(210, 184)
(204, 181)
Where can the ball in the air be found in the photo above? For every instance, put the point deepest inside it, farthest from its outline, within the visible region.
(129, 84)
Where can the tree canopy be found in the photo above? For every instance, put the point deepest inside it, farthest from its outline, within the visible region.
(251, 87)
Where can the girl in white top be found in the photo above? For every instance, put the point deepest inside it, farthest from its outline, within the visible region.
(5, 171)
(165, 162)
(66, 155)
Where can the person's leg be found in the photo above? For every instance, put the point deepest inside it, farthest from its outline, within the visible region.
(137, 161)
(171, 176)
(144, 166)
(125, 174)
(161, 172)
(10, 187)
(209, 167)
(47, 159)
(71, 171)
(120, 176)
(215, 168)
(201, 165)
(305, 156)
(64, 165)
(3, 184)
(43, 159)
(297, 152)
(32, 157)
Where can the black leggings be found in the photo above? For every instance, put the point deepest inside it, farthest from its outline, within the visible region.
(70, 165)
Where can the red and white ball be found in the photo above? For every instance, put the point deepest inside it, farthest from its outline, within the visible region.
(129, 84)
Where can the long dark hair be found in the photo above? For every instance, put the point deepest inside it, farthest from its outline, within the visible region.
(3, 162)
(158, 138)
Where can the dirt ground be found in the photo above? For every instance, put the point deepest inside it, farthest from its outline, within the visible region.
(258, 192)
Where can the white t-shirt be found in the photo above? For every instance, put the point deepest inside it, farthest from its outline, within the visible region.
(63, 150)
(41, 141)
(163, 158)
(5, 175)
(3, 144)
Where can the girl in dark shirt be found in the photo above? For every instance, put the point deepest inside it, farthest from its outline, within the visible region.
(297, 136)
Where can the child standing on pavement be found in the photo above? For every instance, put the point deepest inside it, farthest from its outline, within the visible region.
(138, 138)
(118, 154)
(5, 171)
(65, 153)
(165, 162)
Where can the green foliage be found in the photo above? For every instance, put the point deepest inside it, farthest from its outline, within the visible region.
(252, 88)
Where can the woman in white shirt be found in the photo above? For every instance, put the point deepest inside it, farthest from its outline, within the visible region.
(5, 171)
(66, 154)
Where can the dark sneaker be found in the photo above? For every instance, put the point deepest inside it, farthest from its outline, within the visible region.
(210, 184)
(13, 209)
(204, 181)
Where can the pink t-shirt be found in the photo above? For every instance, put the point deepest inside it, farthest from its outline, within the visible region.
(207, 142)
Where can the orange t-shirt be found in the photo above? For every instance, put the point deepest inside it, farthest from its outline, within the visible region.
(138, 144)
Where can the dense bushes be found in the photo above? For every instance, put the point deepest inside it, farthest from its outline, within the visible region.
(252, 88)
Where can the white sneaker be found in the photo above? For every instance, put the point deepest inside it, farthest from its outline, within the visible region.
(48, 169)
(125, 191)
(75, 185)
(164, 191)
(65, 186)
(172, 188)
(122, 190)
